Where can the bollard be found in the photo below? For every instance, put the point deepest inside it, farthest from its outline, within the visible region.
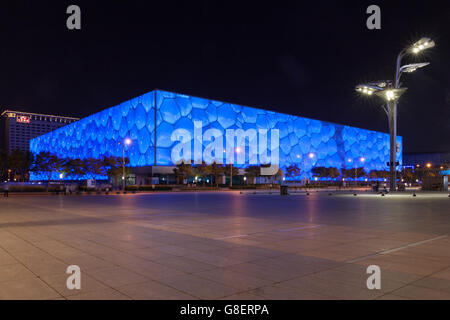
(354, 194)
(330, 194)
(414, 194)
(382, 194)
(307, 193)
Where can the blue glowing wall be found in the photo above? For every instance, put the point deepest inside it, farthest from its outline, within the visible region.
(99, 134)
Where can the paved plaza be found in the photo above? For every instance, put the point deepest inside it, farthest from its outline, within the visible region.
(225, 245)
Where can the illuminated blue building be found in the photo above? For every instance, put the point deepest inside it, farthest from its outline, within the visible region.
(150, 119)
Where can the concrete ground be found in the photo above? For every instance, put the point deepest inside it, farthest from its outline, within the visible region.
(225, 246)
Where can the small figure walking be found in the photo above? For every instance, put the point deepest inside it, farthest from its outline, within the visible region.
(6, 190)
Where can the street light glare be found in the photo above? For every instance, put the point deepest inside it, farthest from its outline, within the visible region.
(127, 141)
(390, 95)
(422, 44)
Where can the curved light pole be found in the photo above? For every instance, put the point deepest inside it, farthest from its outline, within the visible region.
(390, 92)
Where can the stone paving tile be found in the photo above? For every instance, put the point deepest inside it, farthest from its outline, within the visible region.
(218, 258)
(272, 273)
(153, 290)
(58, 283)
(44, 266)
(6, 258)
(199, 287)
(186, 264)
(385, 263)
(332, 288)
(116, 276)
(434, 283)
(15, 271)
(152, 270)
(391, 297)
(87, 262)
(152, 254)
(243, 296)
(104, 294)
(240, 281)
(357, 280)
(26, 289)
(283, 292)
(444, 274)
(421, 293)
(402, 277)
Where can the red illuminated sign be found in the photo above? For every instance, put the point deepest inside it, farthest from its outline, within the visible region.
(23, 119)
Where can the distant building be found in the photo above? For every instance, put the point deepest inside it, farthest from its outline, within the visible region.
(422, 159)
(21, 127)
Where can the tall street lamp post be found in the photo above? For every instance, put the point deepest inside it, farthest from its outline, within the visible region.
(390, 92)
(126, 142)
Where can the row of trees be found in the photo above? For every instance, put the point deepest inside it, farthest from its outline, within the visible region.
(19, 164)
(48, 164)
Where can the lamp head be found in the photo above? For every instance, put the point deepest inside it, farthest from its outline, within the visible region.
(391, 94)
(413, 67)
(372, 87)
(422, 44)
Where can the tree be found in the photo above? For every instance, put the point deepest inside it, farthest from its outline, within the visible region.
(3, 165)
(227, 170)
(112, 167)
(73, 168)
(253, 171)
(351, 173)
(182, 171)
(46, 164)
(201, 171)
(321, 172)
(408, 175)
(279, 174)
(333, 172)
(360, 172)
(216, 170)
(94, 168)
(293, 171)
(20, 163)
(378, 174)
(326, 172)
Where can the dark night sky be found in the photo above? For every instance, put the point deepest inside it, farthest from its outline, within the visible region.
(298, 57)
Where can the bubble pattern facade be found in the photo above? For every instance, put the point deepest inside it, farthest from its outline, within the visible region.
(101, 134)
